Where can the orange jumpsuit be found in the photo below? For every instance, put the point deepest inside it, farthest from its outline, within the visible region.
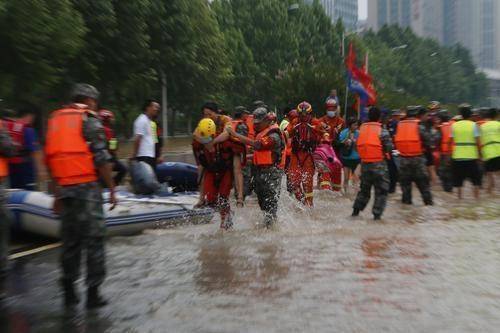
(301, 169)
(218, 171)
(333, 180)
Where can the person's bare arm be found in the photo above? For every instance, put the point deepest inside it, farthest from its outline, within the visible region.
(106, 174)
(137, 144)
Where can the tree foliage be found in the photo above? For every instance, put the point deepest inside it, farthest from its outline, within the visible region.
(232, 51)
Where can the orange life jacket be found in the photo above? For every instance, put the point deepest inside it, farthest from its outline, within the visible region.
(251, 130)
(407, 138)
(4, 164)
(304, 137)
(445, 138)
(67, 153)
(369, 145)
(265, 157)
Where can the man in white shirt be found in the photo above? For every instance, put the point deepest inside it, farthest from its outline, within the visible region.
(144, 138)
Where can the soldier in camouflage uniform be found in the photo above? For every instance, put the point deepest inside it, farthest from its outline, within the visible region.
(269, 146)
(413, 167)
(6, 150)
(79, 203)
(374, 171)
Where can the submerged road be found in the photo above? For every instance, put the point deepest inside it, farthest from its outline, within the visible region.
(422, 269)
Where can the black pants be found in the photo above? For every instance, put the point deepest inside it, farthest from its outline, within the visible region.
(393, 175)
(149, 160)
(120, 169)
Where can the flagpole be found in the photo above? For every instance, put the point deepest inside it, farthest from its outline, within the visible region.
(346, 86)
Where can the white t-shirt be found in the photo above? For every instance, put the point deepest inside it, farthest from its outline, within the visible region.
(142, 127)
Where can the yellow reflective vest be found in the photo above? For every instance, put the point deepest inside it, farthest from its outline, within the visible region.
(465, 147)
(490, 139)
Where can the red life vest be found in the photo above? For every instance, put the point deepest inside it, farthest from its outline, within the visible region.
(4, 165)
(445, 138)
(369, 145)
(219, 160)
(15, 128)
(67, 153)
(303, 138)
(265, 158)
(407, 138)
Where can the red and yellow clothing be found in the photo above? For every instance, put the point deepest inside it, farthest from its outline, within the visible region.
(335, 125)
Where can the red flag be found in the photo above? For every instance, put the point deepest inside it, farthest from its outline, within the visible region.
(350, 60)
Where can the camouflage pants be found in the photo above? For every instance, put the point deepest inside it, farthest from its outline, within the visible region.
(445, 172)
(4, 236)
(83, 228)
(376, 175)
(413, 169)
(268, 188)
(248, 179)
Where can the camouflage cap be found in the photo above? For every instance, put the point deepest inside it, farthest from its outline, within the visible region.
(260, 114)
(86, 90)
(413, 110)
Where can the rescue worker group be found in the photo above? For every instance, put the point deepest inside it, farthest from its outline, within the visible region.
(252, 152)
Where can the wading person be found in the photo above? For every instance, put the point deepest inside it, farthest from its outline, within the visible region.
(145, 135)
(374, 143)
(348, 139)
(215, 154)
(465, 143)
(443, 139)
(412, 140)
(268, 161)
(27, 160)
(108, 119)
(240, 126)
(305, 133)
(490, 146)
(76, 155)
(6, 150)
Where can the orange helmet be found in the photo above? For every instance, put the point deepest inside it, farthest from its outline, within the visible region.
(304, 107)
(106, 115)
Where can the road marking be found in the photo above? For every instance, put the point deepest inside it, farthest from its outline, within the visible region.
(34, 251)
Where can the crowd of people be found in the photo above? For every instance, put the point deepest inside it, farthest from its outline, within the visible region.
(414, 144)
(252, 152)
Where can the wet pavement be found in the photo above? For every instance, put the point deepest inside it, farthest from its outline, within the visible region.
(422, 269)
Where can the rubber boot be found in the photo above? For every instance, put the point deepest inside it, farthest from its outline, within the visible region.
(94, 300)
(377, 217)
(70, 296)
(355, 212)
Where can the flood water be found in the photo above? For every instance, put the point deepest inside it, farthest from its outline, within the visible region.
(422, 269)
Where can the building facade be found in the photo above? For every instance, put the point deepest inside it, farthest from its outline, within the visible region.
(347, 10)
(474, 24)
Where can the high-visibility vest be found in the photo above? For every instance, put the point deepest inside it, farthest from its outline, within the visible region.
(490, 139)
(265, 157)
(465, 146)
(445, 138)
(67, 153)
(369, 145)
(407, 138)
(284, 124)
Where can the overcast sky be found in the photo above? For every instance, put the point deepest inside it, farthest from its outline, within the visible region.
(362, 9)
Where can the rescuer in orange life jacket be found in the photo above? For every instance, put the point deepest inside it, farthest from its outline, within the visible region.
(268, 160)
(305, 133)
(374, 145)
(443, 138)
(107, 118)
(77, 156)
(215, 154)
(7, 149)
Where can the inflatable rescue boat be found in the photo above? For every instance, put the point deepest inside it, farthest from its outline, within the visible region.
(32, 212)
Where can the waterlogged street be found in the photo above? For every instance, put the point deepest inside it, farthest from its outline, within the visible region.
(422, 269)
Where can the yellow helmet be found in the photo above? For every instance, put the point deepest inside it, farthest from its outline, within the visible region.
(206, 128)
